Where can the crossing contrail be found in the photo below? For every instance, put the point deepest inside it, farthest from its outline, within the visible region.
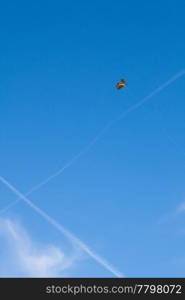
(63, 230)
(121, 116)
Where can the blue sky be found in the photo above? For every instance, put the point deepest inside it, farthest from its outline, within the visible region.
(124, 198)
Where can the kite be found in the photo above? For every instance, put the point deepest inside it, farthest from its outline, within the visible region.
(121, 84)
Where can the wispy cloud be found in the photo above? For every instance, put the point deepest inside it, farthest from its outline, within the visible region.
(179, 210)
(30, 259)
(71, 237)
(54, 257)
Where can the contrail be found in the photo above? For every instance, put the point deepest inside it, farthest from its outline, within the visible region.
(99, 135)
(151, 95)
(106, 128)
(63, 230)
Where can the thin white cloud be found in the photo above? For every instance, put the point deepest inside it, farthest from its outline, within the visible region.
(70, 236)
(181, 208)
(29, 258)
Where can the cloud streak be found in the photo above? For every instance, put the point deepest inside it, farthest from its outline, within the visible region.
(179, 210)
(52, 221)
(63, 230)
(30, 259)
(121, 116)
(107, 127)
